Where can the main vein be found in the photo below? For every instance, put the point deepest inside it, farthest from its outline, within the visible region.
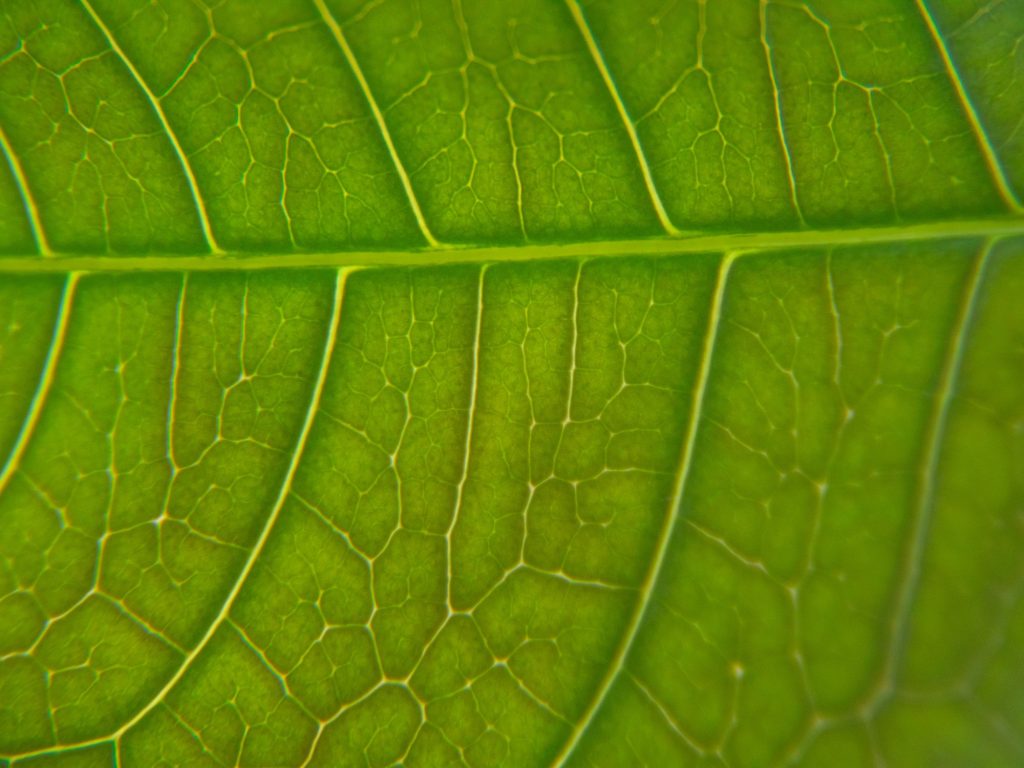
(668, 525)
(1006, 226)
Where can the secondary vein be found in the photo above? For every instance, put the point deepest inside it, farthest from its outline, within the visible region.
(378, 115)
(669, 524)
(984, 142)
(183, 160)
(27, 199)
(620, 106)
(35, 409)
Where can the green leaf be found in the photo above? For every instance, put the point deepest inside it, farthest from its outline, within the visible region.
(526, 383)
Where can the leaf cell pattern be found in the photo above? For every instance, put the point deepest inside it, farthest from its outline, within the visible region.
(568, 488)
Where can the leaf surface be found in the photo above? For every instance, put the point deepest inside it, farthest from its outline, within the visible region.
(534, 383)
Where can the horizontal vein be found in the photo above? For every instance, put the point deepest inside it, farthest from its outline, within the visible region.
(663, 246)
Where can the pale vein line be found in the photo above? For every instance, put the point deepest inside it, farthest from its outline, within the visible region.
(984, 142)
(620, 106)
(378, 115)
(668, 525)
(469, 432)
(49, 372)
(183, 161)
(226, 606)
(791, 177)
(1003, 226)
(172, 399)
(925, 498)
(27, 200)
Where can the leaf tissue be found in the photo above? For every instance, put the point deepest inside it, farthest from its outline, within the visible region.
(521, 383)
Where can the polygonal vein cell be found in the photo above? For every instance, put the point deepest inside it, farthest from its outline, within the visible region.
(102, 524)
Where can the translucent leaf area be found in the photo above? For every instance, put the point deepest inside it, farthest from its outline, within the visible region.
(521, 383)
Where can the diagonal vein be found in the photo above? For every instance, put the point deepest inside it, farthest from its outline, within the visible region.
(748, 242)
(378, 115)
(668, 525)
(924, 502)
(620, 106)
(984, 142)
(154, 102)
(35, 409)
(285, 490)
(27, 200)
(777, 102)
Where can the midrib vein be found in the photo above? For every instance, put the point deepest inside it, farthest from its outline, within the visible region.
(749, 242)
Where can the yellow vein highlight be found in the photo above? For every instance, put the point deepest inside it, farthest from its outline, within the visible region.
(620, 106)
(984, 143)
(186, 167)
(924, 504)
(49, 372)
(27, 200)
(671, 518)
(378, 115)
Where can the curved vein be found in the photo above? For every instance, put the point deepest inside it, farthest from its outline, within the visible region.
(924, 506)
(671, 518)
(378, 116)
(749, 242)
(35, 409)
(27, 200)
(620, 106)
(229, 601)
(154, 102)
(984, 142)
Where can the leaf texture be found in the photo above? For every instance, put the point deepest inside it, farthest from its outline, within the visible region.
(551, 382)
